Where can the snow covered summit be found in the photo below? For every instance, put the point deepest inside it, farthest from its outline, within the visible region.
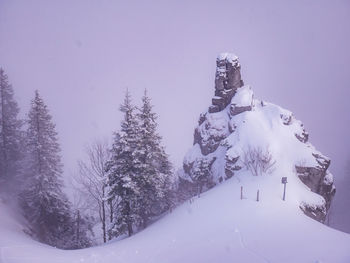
(239, 133)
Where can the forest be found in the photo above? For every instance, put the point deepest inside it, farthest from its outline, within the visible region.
(120, 188)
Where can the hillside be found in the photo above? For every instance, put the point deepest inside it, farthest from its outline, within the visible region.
(226, 223)
(217, 227)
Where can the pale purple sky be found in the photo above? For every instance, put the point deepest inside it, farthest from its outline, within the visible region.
(82, 55)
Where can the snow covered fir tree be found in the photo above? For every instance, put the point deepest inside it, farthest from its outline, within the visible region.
(44, 204)
(11, 137)
(157, 181)
(139, 172)
(122, 171)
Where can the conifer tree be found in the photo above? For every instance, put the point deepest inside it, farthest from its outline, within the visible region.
(122, 171)
(169, 182)
(44, 204)
(139, 171)
(10, 134)
(156, 168)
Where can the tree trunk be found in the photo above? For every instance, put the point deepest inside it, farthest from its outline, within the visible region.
(129, 228)
(78, 227)
(103, 216)
(111, 212)
(110, 218)
(129, 223)
(145, 222)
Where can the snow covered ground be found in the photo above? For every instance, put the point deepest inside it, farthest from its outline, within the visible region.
(217, 227)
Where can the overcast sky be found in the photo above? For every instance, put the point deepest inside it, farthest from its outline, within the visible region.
(82, 55)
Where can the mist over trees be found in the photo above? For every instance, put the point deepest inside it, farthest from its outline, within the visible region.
(122, 187)
(44, 204)
(91, 186)
(31, 172)
(11, 137)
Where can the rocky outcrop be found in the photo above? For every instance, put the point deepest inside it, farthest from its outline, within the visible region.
(231, 166)
(303, 135)
(236, 123)
(318, 213)
(320, 181)
(213, 128)
(227, 81)
(210, 133)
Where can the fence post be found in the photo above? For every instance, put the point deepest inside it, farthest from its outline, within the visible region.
(241, 192)
(284, 181)
(257, 196)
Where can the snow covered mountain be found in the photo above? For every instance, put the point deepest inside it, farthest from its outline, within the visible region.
(223, 225)
(238, 129)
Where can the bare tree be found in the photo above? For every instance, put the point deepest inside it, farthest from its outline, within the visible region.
(91, 182)
(258, 161)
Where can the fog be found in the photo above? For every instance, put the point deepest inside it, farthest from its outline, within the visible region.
(83, 55)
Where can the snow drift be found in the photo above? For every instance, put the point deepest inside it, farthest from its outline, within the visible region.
(217, 227)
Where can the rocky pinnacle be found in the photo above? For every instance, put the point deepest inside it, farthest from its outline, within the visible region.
(227, 81)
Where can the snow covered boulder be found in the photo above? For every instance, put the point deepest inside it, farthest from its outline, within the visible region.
(240, 136)
(301, 134)
(320, 181)
(210, 133)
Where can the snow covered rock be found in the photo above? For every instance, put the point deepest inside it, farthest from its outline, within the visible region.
(242, 101)
(320, 181)
(239, 133)
(227, 81)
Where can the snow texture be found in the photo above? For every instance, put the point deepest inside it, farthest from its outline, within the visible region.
(229, 57)
(217, 227)
(243, 97)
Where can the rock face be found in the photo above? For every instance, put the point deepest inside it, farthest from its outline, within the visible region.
(236, 125)
(320, 181)
(227, 81)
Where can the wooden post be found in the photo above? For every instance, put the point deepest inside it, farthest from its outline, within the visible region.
(284, 181)
(257, 196)
(241, 192)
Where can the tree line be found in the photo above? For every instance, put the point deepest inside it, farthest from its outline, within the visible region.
(31, 172)
(130, 183)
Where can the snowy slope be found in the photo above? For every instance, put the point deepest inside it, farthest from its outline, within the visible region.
(217, 227)
(261, 128)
